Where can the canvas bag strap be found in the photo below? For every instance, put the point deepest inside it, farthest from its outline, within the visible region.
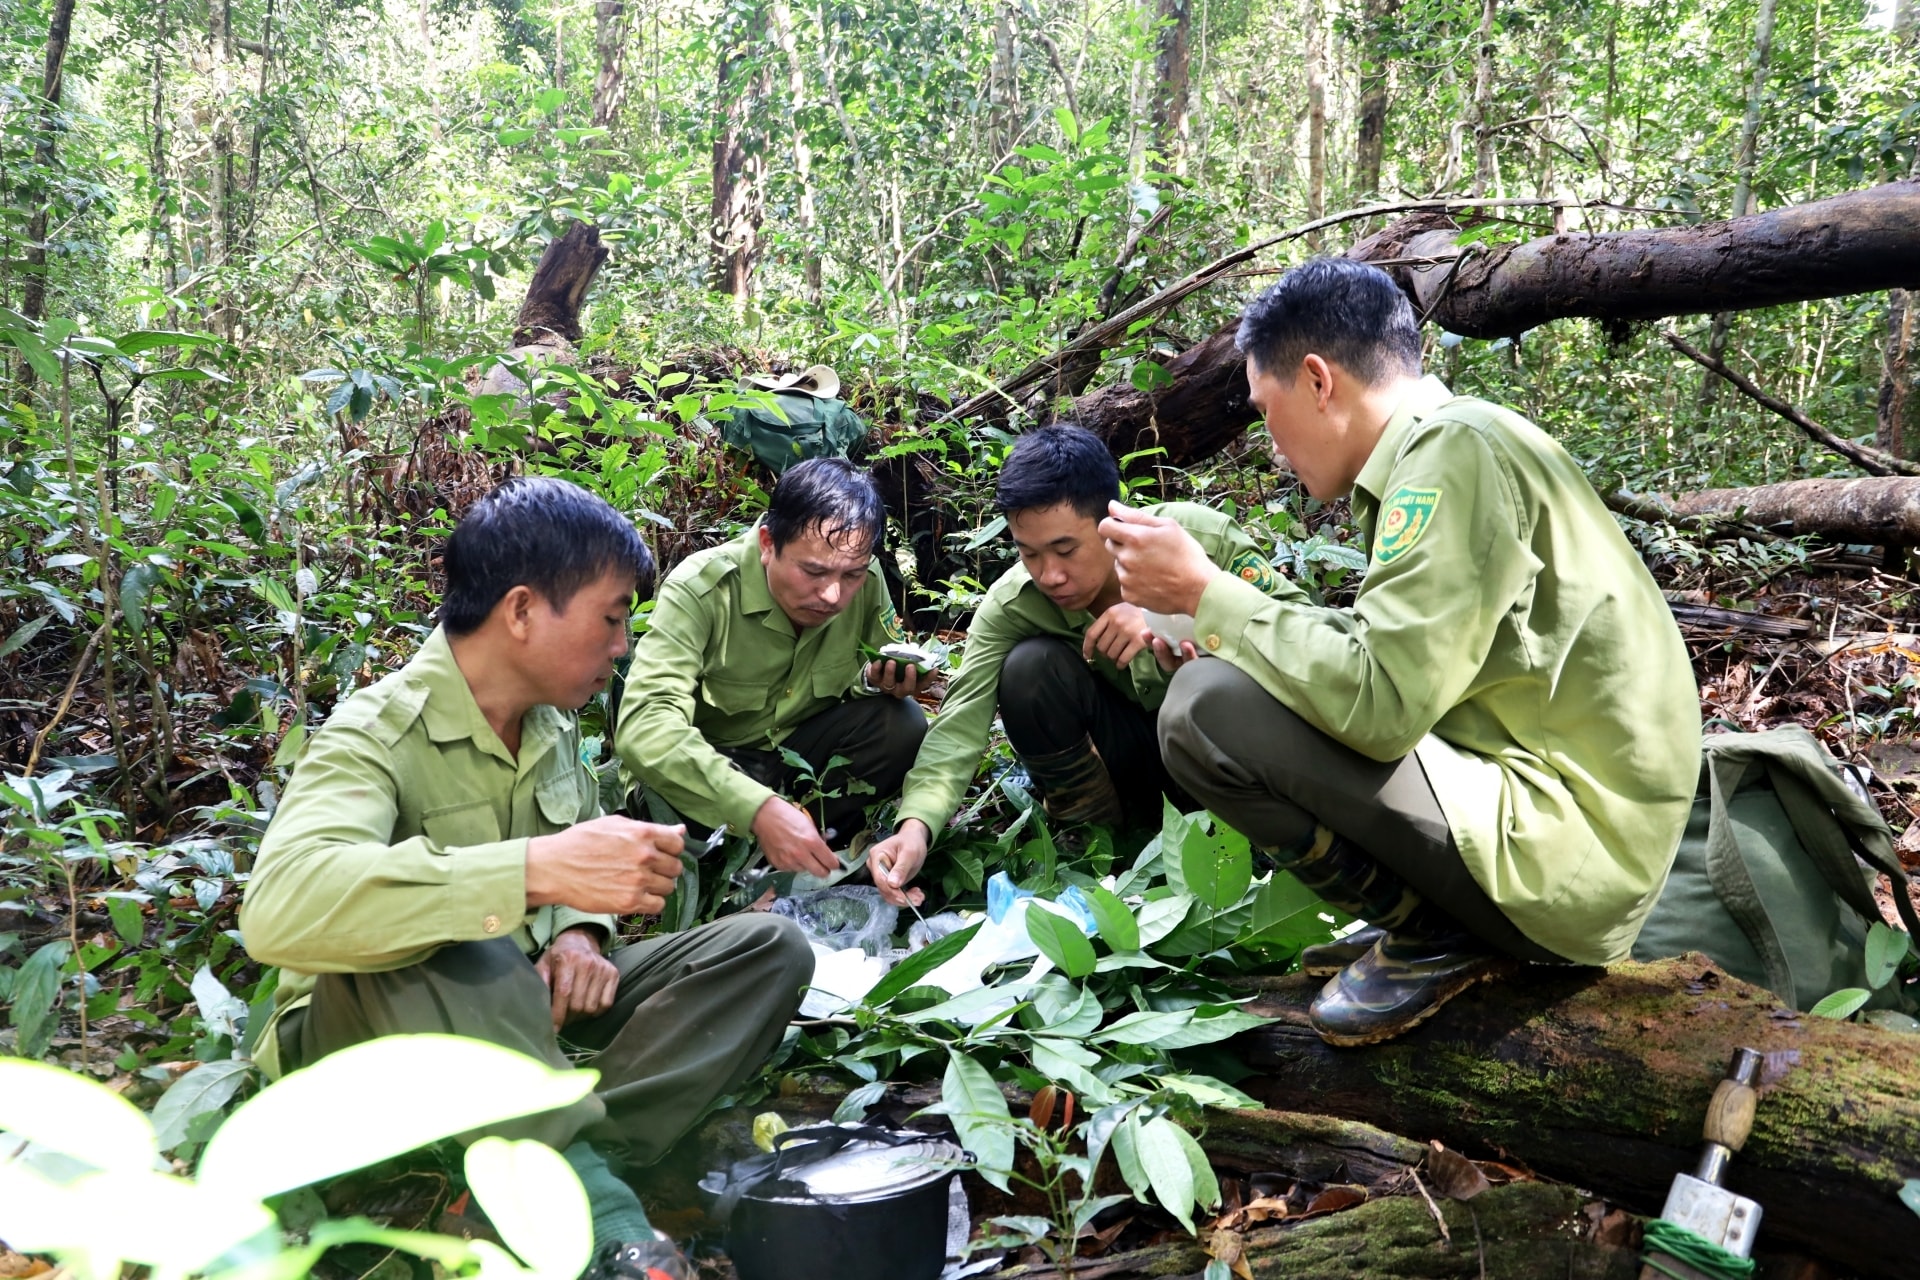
(1727, 869)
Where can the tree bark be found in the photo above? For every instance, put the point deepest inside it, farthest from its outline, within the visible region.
(1172, 70)
(1880, 510)
(1376, 79)
(33, 301)
(1003, 81)
(1601, 1077)
(1860, 242)
(610, 26)
(783, 31)
(1481, 115)
(1316, 118)
(559, 286)
(1198, 414)
(1898, 420)
(739, 161)
(1743, 183)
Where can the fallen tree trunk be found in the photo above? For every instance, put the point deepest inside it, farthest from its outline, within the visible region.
(1860, 242)
(1877, 510)
(1602, 1078)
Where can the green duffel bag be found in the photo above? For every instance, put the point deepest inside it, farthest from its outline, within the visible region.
(1774, 876)
(793, 427)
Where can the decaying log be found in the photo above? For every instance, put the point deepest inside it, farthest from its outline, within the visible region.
(1878, 510)
(559, 287)
(1601, 1078)
(1192, 418)
(1859, 242)
(1522, 1231)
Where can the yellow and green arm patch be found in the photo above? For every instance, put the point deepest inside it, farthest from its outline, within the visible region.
(890, 623)
(1251, 566)
(1403, 518)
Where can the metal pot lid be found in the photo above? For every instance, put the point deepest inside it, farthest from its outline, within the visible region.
(865, 1170)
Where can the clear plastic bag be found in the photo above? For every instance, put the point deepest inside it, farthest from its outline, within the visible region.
(843, 917)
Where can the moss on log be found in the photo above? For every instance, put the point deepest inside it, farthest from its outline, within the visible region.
(1601, 1078)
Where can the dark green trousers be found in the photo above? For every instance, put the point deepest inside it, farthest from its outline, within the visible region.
(1052, 701)
(1273, 777)
(695, 1016)
(878, 735)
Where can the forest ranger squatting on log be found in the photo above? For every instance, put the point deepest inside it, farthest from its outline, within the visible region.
(1067, 663)
(756, 645)
(1491, 755)
(438, 864)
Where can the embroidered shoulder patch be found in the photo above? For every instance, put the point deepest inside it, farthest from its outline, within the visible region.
(1251, 566)
(1403, 519)
(890, 623)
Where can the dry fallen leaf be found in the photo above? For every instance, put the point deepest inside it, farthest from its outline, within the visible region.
(1254, 1212)
(1231, 1248)
(1453, 1175)
(1334, 1199)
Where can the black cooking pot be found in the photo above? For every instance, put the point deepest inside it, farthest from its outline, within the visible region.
(839, 1202)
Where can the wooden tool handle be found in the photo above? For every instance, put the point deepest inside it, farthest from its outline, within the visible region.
(1730, 1114)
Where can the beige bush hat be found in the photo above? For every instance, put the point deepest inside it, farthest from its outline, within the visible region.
(814, 380)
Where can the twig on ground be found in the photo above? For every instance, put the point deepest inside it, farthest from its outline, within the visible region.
(1446, 1236)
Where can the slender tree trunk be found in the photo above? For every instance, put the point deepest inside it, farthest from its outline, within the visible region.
(1172, 124)
(1376, 73)
(610, 25)
(783, 30)
(1316, 117)
(1003, 81)
(259, 129)
(1743, 181)
(1482, 107)
(1899, 419)
(739, 160)
(34, 294)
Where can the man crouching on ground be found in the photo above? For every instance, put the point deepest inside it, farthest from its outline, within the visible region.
(438, 864)
(1491, 755)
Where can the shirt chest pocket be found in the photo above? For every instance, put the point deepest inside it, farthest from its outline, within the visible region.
(559, 798)
(456, 826)
(734, 697)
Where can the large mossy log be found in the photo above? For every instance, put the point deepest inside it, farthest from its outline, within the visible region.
(1878, 510)
(1601, 1078)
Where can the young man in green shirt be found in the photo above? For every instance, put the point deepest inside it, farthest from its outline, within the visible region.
(758, 645)
(1490, 757)
(438, 865)
(1064, 660)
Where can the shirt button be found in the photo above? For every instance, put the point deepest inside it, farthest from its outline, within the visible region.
(491, 924)
(1213, 642)
(789, 693)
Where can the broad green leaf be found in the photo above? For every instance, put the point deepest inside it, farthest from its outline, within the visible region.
(147, 339)
(919, 965)
(535, 1201)
(71, 1114)
(1207, 1091)
(68, 560)
(1074, 1016)
(970, 1008)
(1050, 1059)
(1163, 1158)
(1217, 866)
(408, 1091)
(1886, 948)
(1843, 1003)
(1160, 917)
(1060, 941)
(124, 911)
(155, 1219)
(1174, 826)
(36, 989)
(135, 587)
(1116, 923)
(208, 1087)
(23, 634)
(1126, 1154)
(970, 1098)
(1179, 1028)
(1144, 1028)
(853, 1107)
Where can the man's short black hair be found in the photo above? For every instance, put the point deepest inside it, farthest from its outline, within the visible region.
(1055, 464)
(1344, 311)
(828, 496)
(545, 534)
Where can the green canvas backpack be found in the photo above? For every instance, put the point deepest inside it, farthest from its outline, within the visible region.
(1774, 876)
(796, 426)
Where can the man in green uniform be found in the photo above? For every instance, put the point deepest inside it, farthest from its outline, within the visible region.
(1067, 663)
(437, 863)
(755, 647)
(1492, 754)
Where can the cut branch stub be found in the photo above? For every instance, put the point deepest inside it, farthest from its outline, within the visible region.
(559, 287)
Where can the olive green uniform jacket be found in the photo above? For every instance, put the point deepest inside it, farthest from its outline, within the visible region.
(722, 666)
(1509, 636)
(1015, 609)
(405, 828)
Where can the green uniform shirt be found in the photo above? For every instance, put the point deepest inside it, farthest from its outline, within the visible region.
(1013, 610)
(722, 666)
(405, 829)
(1508, 634)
